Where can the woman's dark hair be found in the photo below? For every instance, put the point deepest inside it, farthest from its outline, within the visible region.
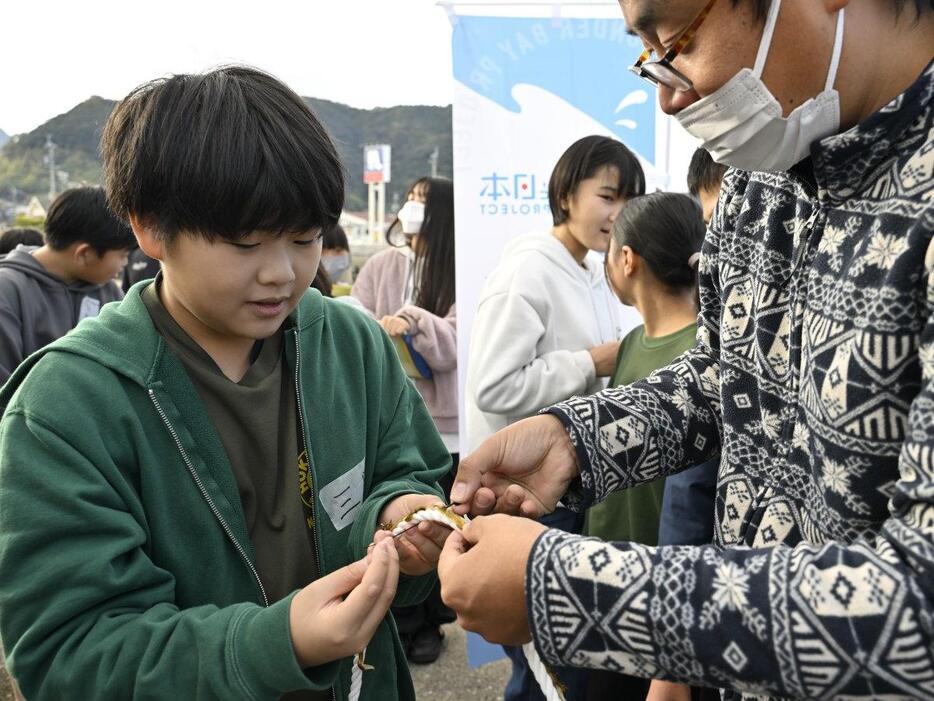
(322, 282)
(11, 238)
(582, 160)
(81, 214)
(221, 154)
(666, 229)
(334, 238)
(434, 262)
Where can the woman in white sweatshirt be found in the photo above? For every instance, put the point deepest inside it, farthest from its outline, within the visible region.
(547, 326)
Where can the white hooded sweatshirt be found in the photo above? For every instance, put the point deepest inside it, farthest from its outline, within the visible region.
(540, 312)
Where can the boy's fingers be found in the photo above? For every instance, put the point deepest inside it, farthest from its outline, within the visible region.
(426, 547)
(436, 533)
(345, 579)
(386, 593)
(363, 597)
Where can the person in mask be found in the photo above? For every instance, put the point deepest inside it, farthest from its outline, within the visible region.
(812, 379)
(335, 255)
(409, 290)
(547, 325)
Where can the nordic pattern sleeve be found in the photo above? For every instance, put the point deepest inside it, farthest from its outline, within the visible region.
(835, 620)
(625, 436)
(821, 622)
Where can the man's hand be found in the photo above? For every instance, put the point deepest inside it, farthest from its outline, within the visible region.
(420, 546)
(523, 469)
(482, 572)
(668, 691)
(395, 325)
(336, 616)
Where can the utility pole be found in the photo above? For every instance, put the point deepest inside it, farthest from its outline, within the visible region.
(50, 157)
(433, 160)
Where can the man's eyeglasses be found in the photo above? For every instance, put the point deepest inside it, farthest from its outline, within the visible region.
(659, 71)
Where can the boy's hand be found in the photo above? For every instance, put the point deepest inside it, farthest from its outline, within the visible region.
(419, 547)
(395, 325)
(336, 616)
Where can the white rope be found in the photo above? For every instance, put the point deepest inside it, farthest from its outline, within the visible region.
(356, 682)
(356, 675)
(444, 515)
(545, 681)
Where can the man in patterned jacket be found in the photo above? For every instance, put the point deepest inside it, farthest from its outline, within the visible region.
(812, 378)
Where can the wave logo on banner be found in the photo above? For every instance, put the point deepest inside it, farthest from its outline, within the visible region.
(540, 84)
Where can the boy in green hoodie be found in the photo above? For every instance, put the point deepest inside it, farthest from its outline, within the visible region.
(189, 482)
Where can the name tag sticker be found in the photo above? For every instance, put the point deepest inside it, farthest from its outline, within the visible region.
(343, 497)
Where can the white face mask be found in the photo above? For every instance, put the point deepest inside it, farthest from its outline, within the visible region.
(411, 217)
(741, 124)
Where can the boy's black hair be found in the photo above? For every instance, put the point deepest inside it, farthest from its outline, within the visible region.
(335, 238)
(582, 160)
(81, 215)
(666, 229)
(762, 6)
(221, 154)
(11, 238)
(704, 173)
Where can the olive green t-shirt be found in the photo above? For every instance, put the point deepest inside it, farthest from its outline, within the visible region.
(257, 421)
(633, 514)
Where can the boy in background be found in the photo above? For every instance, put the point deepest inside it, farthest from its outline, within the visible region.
(46, 290)
(199, 527)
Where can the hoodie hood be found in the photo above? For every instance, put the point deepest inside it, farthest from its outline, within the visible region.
(123, 338)
(545, 248)
(37, 307)
(22, 260)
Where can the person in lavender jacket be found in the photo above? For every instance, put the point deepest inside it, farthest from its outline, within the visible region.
(409, 290)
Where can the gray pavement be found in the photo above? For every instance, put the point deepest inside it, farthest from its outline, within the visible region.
(448, 679)
(452, 679)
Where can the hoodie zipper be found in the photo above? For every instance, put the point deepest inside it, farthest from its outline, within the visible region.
(313, 478)
(207, 497)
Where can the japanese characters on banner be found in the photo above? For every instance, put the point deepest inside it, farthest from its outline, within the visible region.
(526, 88)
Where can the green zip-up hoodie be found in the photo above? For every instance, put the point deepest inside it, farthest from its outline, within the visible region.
(126, 570)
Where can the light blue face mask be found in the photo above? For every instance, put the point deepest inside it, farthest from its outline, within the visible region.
(336, 266)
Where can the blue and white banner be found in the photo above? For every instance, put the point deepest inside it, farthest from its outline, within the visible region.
(526, 88)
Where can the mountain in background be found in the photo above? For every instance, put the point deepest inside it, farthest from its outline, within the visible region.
(413, 131)
(4, 137)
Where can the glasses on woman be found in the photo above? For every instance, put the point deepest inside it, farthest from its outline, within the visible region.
(659, 71)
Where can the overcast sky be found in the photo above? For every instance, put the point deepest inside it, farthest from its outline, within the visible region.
(365, 53)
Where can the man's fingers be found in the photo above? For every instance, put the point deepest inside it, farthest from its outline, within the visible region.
(484, 501)
(454, 547)
(471, 469)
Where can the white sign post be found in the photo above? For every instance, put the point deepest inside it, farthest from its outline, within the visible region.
(377, 161)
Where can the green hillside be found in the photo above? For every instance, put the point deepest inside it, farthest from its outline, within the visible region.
(413, 132)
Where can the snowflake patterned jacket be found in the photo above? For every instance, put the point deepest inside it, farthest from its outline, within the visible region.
(813, 379)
